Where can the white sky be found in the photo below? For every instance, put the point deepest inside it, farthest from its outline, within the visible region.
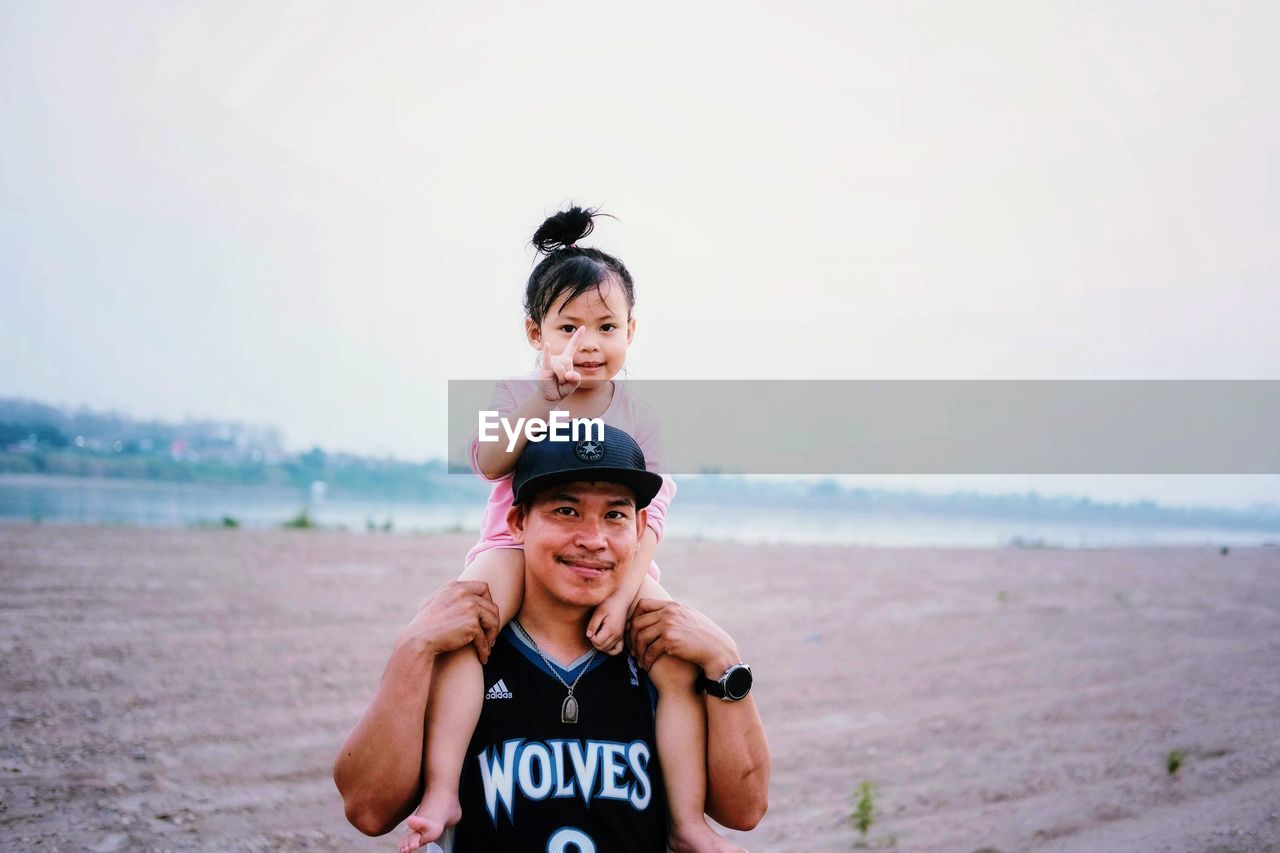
(312, 217)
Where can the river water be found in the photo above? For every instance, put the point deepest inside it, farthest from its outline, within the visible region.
(158, 504)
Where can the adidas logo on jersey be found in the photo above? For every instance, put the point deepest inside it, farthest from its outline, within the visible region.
(499, 691)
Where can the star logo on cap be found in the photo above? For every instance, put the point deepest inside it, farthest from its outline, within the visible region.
(589, 451)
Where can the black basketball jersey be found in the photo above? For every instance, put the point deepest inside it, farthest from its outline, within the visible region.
(533, 783)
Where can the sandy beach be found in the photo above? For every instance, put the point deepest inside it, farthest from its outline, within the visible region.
(188, 689)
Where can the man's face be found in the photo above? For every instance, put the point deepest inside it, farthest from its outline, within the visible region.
(578, 539)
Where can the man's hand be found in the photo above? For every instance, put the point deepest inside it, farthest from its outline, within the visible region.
(458, 613)
(558, 378)
(608, 624)
(669, 628)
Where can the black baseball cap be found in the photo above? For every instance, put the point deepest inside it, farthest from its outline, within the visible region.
(617, 459)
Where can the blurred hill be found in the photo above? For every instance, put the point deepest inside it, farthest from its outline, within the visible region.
(36, 438)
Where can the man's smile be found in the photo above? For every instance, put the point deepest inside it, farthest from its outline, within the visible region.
(586, 567)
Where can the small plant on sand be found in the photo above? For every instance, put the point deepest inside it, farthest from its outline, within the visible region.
(1173, 761)
(1002, 597)
(864, 813)
(229, 522)
(301, 521)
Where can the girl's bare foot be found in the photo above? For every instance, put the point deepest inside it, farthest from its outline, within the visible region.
(697, 837)
(430, 820)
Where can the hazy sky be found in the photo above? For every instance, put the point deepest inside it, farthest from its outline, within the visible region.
(313, 216)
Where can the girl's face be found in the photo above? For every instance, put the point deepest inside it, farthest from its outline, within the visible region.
(607, 332)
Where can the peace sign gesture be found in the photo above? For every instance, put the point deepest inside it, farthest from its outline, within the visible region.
(558, 379)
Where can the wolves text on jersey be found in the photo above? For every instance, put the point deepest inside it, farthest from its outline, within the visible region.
(603, 769)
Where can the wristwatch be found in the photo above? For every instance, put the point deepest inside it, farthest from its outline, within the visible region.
(735, 684)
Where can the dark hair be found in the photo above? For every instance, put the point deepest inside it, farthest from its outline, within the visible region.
(569, 269)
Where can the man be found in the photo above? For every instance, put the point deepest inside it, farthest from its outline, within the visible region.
(564, 757)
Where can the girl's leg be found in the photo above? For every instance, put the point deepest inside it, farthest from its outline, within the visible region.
(682, 747)
(455, 702)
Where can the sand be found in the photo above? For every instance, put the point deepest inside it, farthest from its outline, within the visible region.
(188, 689)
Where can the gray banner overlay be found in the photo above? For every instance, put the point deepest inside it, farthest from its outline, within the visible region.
(944, 426)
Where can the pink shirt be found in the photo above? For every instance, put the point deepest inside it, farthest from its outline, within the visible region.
(625, 411)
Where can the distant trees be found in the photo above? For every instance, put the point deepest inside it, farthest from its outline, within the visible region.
(35, 434)
(40, 439)
(110, 432)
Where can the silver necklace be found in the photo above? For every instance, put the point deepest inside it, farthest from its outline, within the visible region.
(568, 710)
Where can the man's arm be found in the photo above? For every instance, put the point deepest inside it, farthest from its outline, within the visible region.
(379, 767)
(738, 762)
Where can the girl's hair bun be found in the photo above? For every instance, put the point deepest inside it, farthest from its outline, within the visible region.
(563, 229)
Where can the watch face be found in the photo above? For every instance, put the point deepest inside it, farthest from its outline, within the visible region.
(739, 683)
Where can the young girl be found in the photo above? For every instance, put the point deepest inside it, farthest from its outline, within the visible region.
(578, 303)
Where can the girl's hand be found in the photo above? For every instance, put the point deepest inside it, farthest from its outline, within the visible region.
(608, 623)
(558, 378)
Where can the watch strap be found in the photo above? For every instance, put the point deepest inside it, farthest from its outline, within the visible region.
(719, 688)
(711, 688)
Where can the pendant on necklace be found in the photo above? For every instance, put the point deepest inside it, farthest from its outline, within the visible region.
(569, 710)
